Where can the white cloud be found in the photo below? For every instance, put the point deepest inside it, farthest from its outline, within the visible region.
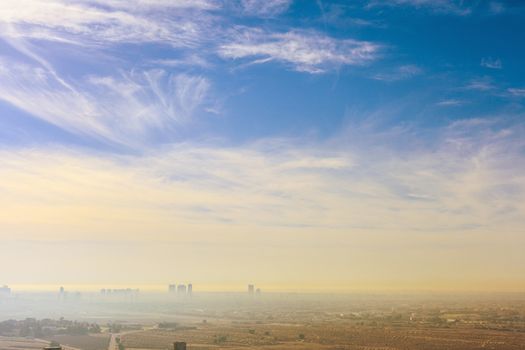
(354, 202)
(155, 4)
(97, 22)
(186, 61)
(489, 62)
(304, 51)
(481, 84)
(400, 73)
(123, 108)
(265, 8)
(451, 102)
(470, 176)
(496, 7)
(469, 180)
(516, 92)
(455, 7)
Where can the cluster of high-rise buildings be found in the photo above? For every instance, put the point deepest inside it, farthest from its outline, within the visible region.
(252, 290)
(181, 289)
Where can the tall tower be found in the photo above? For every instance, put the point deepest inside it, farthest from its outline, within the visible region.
(190, 289)
(251, 289)
(181, 289)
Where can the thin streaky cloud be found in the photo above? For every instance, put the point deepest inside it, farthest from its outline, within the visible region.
(155, 4)
(303, 51)
(186, 61)
(517, 92)
(451, 103)
(265, 8)
(452, 7)
(88, 22)
(489, 62)
(465, 177)
(400, 73)
(123, 108)
(481, 84)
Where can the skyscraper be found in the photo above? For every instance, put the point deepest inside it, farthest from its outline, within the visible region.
(181, 289)
(190, 289)
(251, 289)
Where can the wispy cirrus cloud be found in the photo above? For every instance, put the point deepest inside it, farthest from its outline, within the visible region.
(489, 62)
(96, 22)
(517, 92)
(481, 84)
(282, 182)
(264, 8)
(303, 51)
(451, 102)
(282, 194)
(454, 7)
(123, 108)
(400, 73)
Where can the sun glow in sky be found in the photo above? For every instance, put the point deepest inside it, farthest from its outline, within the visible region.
(320, 145)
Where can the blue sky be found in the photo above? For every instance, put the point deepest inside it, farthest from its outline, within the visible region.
(317, 62)
(248, 123)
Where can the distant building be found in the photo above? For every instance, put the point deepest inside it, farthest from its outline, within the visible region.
(172, 288)
(258, 291)
(126, 292)
(5, 290)
(181, 289)
(190, 289)
(251, 289)
(179, 345)
(62, 294)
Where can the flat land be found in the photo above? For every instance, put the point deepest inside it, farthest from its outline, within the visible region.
(84, 342)
(326, 336)
(14, 343)
(275, 322)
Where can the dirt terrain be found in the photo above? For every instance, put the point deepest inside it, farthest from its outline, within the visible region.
(290, 322)
(329, 336)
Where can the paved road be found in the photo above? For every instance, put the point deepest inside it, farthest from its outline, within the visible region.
(113, 341)
(113, 345)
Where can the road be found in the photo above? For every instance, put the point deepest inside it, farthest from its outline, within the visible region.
(113, 345)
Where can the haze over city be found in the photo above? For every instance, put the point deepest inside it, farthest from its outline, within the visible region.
(304, 146)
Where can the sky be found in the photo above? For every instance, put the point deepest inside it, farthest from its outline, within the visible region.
(295, 144)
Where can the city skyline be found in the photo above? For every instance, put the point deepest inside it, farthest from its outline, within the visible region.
(315, 145)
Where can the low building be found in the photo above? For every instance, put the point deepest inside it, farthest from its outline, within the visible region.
(179, 345)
